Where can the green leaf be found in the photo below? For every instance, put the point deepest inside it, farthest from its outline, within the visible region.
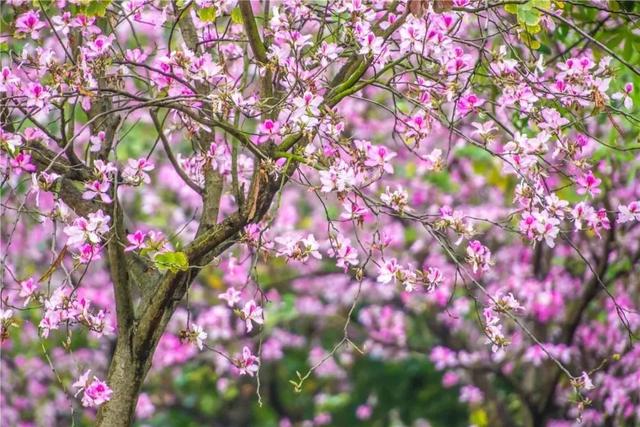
(207, 14)
(172, 261)
(96, 7)
(511, 8)
(628, 50)
(544, 49)
(529, 17)
(479, 418)
(236, 16)
(542, 4)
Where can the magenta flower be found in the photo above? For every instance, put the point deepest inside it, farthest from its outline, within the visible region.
(196, 335)
(345, 254)
(625, 96)
(247, 363)
(28, 288)
(90, 229)
(135, 173)
(589, 183)
(380, 156)
(22, 162)
(37, 96)
(89, 252)
(387, 271)
(7, 80)
(252, 313)
(364, 412)
(231, 295)
(268, 130)
(97, 141)
(630, 212)
(585, 381)
(95, 392)
(98, 46)
(97, 188)
(62, 23)
(29, 23)
(353, 211)
(136, 241)
(479, 256)
(468, 103)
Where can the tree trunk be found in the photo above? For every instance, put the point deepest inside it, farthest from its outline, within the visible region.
(127, 372)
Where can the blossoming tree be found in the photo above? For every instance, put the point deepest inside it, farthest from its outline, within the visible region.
(224, 182)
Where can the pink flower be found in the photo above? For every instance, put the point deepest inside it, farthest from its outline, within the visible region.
(22, 162)
(353, 211)
(380, 156)
(247, 364)
(625, 96)
(196, 335)
(299, 249)
(35, 134)
(97, 188)
(468, 103)
(418, 126)
(145, 408)
(546, 227)
(328, 52)
(268, 130)
(589, 184)
(535, 355)
(459, 62)
(585, 381)
(62, 23)
(135, 173)
(308, 104)
(136, 241)
(471, 394)
(371, 44)
(484, 130)
(90, 229)
(88, 253)
(231, 295)
(345, 254)
(252, 313)
(96, 393)
(443, 357)
(27, 290)
(450, 379)
(553, 121)
(340, 177)
(104, 170)
(7, 80)
(433, 161)
(479, 256)
(363, 412)
(398, 199)
(29, 23)
(86, 24)
(82, 381)
(493, 331)
(99, 46)
(387, 271)
(97, 141)
(631, 212)
(37, 95)
(135, 55)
